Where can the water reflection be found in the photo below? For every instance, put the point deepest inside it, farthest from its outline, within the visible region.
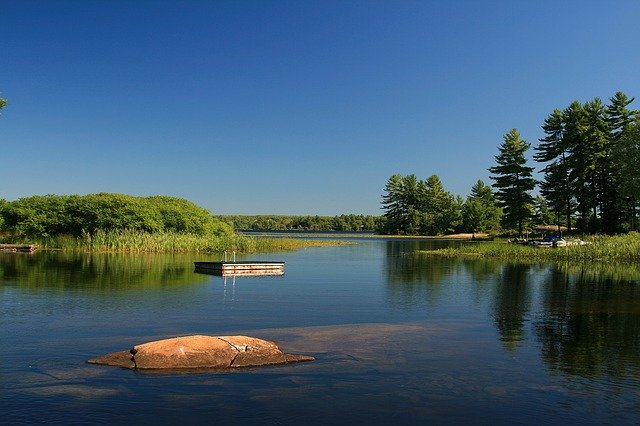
(512, 302)
(399, 337)
(95, 272)
(584, 317)
(589, 327)
(482, 270)
(415, 279)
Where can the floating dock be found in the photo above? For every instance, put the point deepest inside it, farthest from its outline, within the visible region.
(26, 248)
(229, 268)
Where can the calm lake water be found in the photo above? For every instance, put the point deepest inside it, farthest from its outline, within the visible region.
(399, 338)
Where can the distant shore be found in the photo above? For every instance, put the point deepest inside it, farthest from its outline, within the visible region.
(341, 234)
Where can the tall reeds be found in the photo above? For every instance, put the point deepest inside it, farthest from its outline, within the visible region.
(621, 248)
(133, 241)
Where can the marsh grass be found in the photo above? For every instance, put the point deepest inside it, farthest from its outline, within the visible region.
(619, 248)
(132, 241)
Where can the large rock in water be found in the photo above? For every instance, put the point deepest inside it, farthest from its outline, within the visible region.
(201, 352)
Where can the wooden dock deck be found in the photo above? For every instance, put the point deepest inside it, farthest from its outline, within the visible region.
(26, 248)
(229, 268)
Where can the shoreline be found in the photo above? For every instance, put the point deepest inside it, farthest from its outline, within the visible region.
(341, 234)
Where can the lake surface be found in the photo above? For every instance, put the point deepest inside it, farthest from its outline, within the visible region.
(399, 338)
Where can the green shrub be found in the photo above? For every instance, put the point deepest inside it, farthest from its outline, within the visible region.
(75, 215)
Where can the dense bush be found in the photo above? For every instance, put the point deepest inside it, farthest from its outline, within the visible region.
(49, 215)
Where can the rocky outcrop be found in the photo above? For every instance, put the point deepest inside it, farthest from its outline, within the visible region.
(200, 352)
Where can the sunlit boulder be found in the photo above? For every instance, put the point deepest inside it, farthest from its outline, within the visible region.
(203, 352)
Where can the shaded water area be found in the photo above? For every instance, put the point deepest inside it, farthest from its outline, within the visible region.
(398, 337)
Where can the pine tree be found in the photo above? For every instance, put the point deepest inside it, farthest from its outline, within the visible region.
(580, 166)
(393, 204)
(627, 156)
(513, 181)
(553, 150)
(480, 211)
(441, 212)
(619, 116)
(603, 180)
(415, 207)
(621, 120)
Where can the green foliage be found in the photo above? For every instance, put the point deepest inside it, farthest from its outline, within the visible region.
(3, 204)
(556, 185)
(480, 211)
(627, 155)
(414, 207)
(52, 215)
(99, 272)
(620, 248)
(542, 214)
(590, 163)
(343, 222)
(472, 215)
(513, 181)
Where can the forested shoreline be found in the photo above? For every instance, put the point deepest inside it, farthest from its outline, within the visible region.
(588, 160)
(345, 222)
(590, 182)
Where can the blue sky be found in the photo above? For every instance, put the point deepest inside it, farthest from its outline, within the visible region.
(291, 107)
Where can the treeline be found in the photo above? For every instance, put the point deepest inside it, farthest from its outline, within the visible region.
(76, 215)
(590, 163)
(350, 222)
(424, 207)
(591, 159)
(419, 207)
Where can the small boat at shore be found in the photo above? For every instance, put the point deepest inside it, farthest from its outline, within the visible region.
(549, 242)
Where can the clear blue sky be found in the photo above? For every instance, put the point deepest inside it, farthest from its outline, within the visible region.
(291, 107)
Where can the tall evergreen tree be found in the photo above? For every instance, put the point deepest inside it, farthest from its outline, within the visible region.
(415, 207)
(441, 212)
(621, 119)
(556, 185)
(480, 211)
(513, 181)
(627, 157)
(394, 205)
(602, 173)
(581, 167)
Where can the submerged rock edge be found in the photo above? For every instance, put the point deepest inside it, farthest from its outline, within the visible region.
(200, 352)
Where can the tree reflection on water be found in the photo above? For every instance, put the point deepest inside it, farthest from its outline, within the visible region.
(512, 302)
(590, 327)
(90, 272)
(585, 318)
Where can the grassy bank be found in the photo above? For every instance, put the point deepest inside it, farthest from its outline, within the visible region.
(619, 248)
(130, 241)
